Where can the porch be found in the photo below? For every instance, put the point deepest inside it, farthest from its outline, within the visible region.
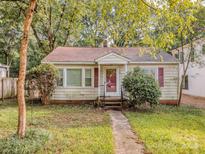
(111, 70)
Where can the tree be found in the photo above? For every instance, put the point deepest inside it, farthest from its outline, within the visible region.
(10, 26)
(174, 24)
(22, 70)
(197, 32)
(157, 24)
(120, 22)
(43, 78)
(55, 21)
(185, 66)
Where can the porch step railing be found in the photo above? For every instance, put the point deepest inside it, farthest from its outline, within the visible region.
(109, 102)
(102, 96)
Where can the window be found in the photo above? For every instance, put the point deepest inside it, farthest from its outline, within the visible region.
(192, 55)
(181, 57)
(176, 55)
(88, 77)
(60, 79)
(74, 77)
(186, 82)
(203, 49)
(150, 71)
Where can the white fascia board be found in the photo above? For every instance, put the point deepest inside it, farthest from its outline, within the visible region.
(67, 62)
(43, 62)
(154, 63)
(113, 62)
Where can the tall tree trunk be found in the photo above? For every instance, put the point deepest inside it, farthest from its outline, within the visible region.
(185, 68)
(22, 70)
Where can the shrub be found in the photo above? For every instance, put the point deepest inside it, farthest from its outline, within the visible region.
(33, 142)
(141, 88)
(43, 78)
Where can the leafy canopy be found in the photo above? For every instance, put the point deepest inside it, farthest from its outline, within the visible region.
(157, 24)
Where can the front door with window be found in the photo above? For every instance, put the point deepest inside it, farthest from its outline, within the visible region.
(111, 81)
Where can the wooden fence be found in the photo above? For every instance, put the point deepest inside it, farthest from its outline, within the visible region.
(8, 87)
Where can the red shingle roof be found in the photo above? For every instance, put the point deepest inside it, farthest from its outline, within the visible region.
(84, 54)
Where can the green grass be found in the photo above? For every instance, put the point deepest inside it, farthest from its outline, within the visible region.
(170, 130)
(73, 129)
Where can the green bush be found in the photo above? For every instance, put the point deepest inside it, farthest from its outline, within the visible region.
(43, 78)
(32, 143)
(141, 88)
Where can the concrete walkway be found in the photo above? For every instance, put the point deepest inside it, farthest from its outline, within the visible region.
(125, 139)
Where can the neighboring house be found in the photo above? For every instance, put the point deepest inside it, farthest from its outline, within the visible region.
(194, 83)
(4, 71)
(89, 73)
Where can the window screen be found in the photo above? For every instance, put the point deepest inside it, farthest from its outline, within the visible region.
(74, 77)
(150, 71)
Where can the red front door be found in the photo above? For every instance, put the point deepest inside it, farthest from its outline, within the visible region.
(111, 80)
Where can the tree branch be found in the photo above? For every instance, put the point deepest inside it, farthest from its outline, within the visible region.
(59, 23)
(148, 5)
(69, 27)
(40, 44)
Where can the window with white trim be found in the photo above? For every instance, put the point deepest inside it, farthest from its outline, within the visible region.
(88, 77)
(60, 79)
(181, 57)
(74, 77)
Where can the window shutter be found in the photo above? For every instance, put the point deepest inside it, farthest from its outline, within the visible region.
(161, 76)
(95, 77)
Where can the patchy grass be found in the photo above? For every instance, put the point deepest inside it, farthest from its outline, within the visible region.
(170, 130)
(34, 141)
(73, 129)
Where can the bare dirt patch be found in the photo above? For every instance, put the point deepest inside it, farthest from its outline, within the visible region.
(198, 102)
(72, 119)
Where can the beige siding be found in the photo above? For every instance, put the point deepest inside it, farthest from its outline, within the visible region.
(170, 89)
(75, 94)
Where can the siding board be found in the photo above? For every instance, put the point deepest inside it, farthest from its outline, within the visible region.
(169, 91)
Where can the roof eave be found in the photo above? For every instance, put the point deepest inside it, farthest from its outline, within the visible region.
(64, 62)
(93, 62)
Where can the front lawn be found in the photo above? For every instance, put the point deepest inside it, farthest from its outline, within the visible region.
(73, 129)
(170, 130)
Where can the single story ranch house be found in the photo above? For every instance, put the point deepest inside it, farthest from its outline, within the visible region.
(87, 74)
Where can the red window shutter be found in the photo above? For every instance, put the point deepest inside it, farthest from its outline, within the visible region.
(95, 77)
(161, 76)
